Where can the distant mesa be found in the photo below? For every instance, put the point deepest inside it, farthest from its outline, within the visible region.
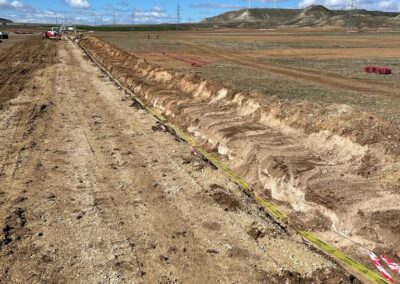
(314, 15)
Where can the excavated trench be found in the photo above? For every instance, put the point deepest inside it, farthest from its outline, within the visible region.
(335, 167)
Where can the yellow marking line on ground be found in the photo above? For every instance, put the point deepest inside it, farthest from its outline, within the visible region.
(272, 209)
(337, 254)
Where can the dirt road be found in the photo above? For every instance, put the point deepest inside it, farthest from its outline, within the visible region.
(92, 191)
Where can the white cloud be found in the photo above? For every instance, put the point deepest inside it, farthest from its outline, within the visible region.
(385, 5)
(81, 4)
(85, 16)
(154, 15)
(388, 5)
(17, 4)
(12, 5)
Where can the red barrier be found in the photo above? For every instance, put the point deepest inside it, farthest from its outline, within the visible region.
(377, 70)
(384, 70)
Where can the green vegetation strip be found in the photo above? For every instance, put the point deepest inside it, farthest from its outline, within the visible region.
(146, 28)
(269, 207)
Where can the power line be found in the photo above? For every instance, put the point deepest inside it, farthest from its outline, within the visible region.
(352, 6)
(133, 19)
(178, 16)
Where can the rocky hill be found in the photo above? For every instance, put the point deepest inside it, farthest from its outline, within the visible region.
(315, 15)
(5, 21)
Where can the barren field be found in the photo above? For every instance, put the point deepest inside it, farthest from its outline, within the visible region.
(16, 69)
(301, 65)
(14, 39)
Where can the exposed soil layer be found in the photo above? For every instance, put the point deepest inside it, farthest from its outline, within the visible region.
(93, 190)
(331, 162)
(18, 63)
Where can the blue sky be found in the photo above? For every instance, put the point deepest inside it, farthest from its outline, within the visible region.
(157, 11)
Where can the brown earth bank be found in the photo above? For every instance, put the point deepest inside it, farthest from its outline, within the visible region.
(323, 163)
(93, 190)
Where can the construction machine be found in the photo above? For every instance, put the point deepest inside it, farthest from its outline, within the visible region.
(54, 33)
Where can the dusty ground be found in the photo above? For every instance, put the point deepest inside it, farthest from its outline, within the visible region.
(322, 66)
(16, 69)
(334, 167)
(13, 39)
(92, 191)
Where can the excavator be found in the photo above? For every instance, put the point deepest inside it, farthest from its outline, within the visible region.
(54, 33)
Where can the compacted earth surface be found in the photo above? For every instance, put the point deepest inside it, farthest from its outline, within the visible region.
(92, 189)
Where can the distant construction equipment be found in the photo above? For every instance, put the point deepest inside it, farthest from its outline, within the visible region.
(57, 32)
(54, 33)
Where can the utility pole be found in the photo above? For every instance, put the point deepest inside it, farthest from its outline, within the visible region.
(114, 18)
(352, 6)
(274, 4)
(133, 18)
(178, 16)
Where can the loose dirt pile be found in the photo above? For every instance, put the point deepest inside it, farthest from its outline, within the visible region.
(333, 164)
(19, 62)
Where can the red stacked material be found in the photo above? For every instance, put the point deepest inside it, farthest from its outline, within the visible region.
(377, 70)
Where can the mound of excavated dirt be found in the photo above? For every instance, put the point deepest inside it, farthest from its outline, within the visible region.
(19, 62)
(330, 163)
